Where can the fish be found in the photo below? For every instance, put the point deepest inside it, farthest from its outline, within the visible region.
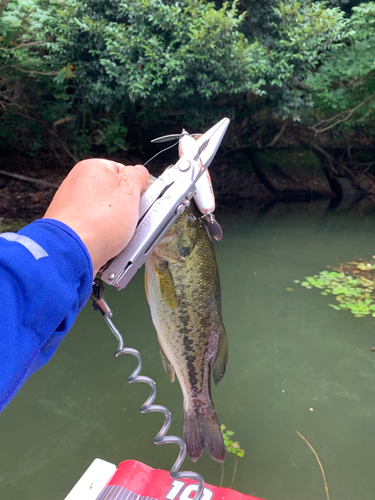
(183, 291)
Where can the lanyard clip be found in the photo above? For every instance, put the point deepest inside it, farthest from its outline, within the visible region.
(97, 296)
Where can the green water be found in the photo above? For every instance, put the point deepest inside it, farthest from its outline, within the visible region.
(295, 364)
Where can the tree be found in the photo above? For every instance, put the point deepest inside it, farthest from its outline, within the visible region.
(343, 88)
(87, 73)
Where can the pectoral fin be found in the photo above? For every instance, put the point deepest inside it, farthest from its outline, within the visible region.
(168, 367)
(167, 288)
(221, 359)
(163, 251)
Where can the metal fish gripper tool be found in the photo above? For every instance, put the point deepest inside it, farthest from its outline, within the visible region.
(99, 304)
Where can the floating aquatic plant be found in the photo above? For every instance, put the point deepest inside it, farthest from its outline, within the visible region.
(352, 283)
(231, 447)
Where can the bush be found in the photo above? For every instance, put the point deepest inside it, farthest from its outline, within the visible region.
(84, 76)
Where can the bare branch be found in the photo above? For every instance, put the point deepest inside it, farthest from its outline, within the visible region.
(61, 121)
(21, 45)
(345, 114)
(319, 463)
(121, 147)
(302, 86)
(368, 167)
(29, 179)
(8, 104)
(327, 156)
(320, 122)
(277, 136)
(30, 72)
(348, 114)
(364, 116)
(274, 140)
(64, 146)
(101, 136)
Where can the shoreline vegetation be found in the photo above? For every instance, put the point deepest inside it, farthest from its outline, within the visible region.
(101, 79)
(85, 77)
(253, 179)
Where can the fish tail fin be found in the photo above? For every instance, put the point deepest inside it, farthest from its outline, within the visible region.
(204, 433)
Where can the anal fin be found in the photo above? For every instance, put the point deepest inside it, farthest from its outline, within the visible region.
(221, 359)
(167, 365)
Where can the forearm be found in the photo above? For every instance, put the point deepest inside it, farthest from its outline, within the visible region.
(46, 279)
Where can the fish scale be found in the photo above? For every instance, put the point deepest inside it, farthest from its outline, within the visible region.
(183, 289)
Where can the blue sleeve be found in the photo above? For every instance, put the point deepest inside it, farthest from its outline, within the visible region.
(46, 277)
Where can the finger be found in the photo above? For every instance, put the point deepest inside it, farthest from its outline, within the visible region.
(99, 162)
(117, 167)
(149, 177)
(142, 169)
(137, 175)
(113, 166)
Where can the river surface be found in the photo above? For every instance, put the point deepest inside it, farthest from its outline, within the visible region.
(295, 364)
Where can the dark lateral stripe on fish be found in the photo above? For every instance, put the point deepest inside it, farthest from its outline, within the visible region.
(188, 344)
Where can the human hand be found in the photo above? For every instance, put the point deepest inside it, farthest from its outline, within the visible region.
(99, 200)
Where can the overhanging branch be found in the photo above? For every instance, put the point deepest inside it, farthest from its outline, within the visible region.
(21, 45)
(31, 72)
(343, 116)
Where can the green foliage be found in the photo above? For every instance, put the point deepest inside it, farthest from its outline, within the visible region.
(362, 21)
(355, 293)
(317, 62)
(142, 50)
(93, 57)
(305, 30)
(231, 446)
(111, 134)
(83, 74)
(343, 88)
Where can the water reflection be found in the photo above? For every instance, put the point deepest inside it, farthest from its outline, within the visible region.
(295, 364)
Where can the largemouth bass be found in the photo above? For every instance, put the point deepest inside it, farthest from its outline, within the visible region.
(183, 291)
